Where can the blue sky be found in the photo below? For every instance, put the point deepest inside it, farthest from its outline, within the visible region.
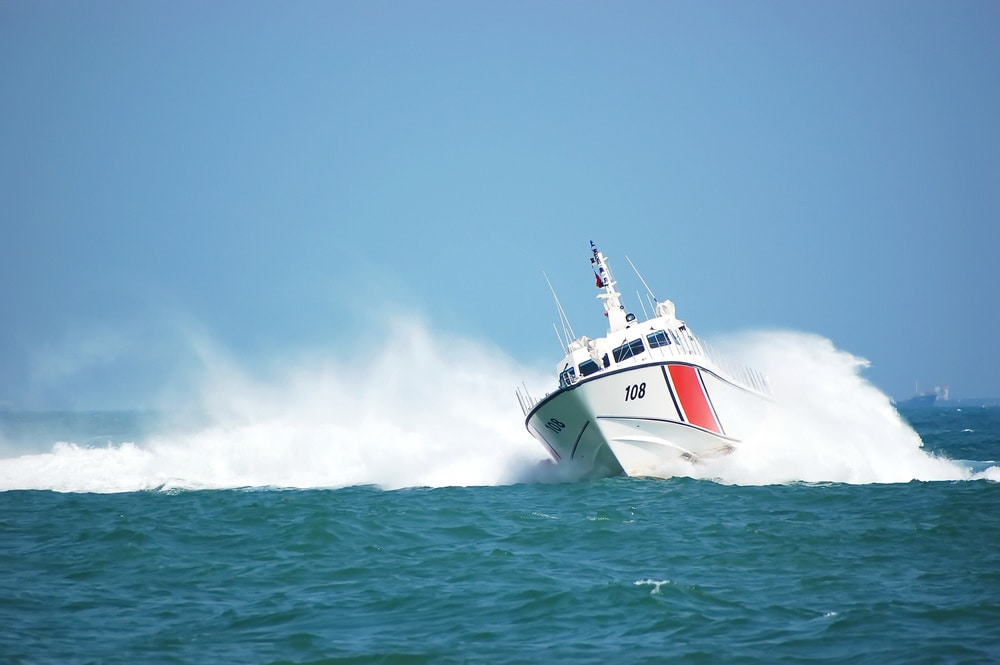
(279, 176)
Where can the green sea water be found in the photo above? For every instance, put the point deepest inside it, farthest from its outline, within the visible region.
(616, 570)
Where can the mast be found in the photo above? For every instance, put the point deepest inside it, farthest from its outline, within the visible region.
(613, 307)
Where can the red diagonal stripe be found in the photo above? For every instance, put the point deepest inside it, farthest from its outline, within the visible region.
(693, 399)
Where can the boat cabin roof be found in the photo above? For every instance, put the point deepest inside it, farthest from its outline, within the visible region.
(638, 343)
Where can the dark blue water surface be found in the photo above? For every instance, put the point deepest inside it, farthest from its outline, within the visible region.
(619, 570)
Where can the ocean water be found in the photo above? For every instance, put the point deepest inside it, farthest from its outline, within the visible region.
(274, 529)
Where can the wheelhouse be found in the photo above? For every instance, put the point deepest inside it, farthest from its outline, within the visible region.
(658, 341)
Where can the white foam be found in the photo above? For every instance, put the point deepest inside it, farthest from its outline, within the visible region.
(992, 473)
(827, 424)
(419, 410)
(656, 584)
(422, 409)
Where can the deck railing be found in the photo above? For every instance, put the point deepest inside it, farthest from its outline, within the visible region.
(525, 399)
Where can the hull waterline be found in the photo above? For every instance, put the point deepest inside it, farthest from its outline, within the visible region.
(680, 412)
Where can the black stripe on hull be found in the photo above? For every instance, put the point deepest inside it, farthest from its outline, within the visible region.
(579, 436)
(670, 389)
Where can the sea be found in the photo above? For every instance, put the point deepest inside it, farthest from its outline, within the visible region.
(402, 526)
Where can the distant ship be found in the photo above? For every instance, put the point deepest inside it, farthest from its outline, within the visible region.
(927, 399)
(920, 399)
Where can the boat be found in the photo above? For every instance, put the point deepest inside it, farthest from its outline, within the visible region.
(918, 401)
(923, 399)
(644, 397)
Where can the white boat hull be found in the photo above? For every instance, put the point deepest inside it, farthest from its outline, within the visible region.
(640, 420)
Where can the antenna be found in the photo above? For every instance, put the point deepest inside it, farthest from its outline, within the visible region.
(641, 279)
(642, 304)
(563, 319)
(563, 345)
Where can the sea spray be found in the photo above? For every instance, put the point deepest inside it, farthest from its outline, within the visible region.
(826, 423)
(418, 409)
(426, 409)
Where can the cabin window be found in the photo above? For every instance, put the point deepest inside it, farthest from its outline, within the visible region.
(588, 367)
(658, 339)
(567, 378)
(628, 349)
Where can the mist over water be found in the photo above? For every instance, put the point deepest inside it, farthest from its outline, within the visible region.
(826, 424)
(421, 409)
(434, 410)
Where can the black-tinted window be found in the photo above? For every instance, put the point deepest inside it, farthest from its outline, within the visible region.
(628, 349)
(658, 339)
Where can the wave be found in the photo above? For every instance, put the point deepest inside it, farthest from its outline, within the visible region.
(827, 423)
(424, 409)
(435, 410)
